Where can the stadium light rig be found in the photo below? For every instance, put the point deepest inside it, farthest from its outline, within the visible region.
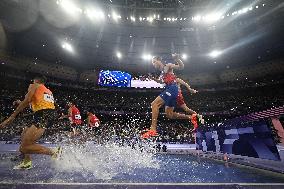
(115, 16)
(212, 17)
(196, 18)
(95, 14)
(147, 56)
(132, 18)
(184, 56)
(73, 10)
(69, 7)
(215, 53)
(118, 55)
(67, 47)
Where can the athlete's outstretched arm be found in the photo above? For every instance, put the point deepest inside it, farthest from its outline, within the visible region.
(179, 63)
(23, 104)
(182, 82)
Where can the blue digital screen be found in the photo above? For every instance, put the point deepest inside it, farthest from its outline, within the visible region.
(109, 78)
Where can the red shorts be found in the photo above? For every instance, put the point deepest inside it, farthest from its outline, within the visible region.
(180, 99)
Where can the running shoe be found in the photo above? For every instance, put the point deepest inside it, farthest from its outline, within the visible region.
(196, 120)
(24, 165)
(149, 134)
(57, 153)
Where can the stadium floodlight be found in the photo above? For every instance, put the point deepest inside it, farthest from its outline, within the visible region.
(245, 10)
(234, 13)
(132, 18)
(184, 56)
(67, 46)
(256, 6)
(215, 53)
(196, 18)
(69, 7)
(147, 56)
(212, 17)
(118, 55)
(95, 14)
(115, 16)
(150, 19)
(140, 18)
(242, 11)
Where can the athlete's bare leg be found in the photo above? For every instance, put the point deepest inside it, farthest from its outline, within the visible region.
(74, 131)
(29, 146)
(174, 115)
(191, 112)
(27, 157)
(156, 105)
(187, 109)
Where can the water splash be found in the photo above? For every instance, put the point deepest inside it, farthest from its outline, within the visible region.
(104, 161)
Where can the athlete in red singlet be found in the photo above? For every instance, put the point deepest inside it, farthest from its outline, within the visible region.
(93, 121)
(75, 118)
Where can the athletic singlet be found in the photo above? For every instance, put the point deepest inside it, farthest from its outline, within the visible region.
(76, 116)
(42, 99)
(94, 120)
(169, 78)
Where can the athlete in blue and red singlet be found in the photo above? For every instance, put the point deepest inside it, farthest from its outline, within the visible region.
(169, 96)
(181, 103)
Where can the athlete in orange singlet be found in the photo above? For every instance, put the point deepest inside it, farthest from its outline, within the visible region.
(42, 102)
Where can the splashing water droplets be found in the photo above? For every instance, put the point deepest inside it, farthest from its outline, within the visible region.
(104, 161)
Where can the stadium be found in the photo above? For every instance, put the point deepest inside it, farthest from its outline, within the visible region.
(141, 94)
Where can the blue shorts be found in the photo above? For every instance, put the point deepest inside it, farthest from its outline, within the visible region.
(170, 95)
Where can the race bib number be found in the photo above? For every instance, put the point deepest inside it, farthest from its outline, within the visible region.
(48, 98)
(77, 116)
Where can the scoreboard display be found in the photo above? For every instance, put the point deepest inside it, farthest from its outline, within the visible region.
(109, 78)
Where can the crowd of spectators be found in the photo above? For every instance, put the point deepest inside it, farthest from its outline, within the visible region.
(126, 112)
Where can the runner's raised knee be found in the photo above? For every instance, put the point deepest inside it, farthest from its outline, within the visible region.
(170, 114)
(154, 105)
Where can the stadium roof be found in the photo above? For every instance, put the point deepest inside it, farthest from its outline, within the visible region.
(123, 34)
